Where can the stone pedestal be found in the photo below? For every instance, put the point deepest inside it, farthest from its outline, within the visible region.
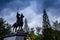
(18, 36)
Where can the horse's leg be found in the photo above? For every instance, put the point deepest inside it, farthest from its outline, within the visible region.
(15, 29)
(21, 27)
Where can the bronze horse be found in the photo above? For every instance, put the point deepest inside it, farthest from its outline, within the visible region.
(19, 22)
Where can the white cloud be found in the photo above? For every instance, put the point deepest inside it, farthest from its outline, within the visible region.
(9, 15)
(33, 18)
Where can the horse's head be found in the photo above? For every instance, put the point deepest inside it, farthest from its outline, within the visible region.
(22, 15)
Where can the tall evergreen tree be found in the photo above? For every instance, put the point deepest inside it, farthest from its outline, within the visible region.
(46, 27)
(46, 22)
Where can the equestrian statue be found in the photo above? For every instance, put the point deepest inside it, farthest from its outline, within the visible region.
(19, 22)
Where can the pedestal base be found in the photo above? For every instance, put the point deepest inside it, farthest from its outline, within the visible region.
(18, 36)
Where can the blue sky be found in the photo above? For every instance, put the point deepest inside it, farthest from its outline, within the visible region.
(31, 9)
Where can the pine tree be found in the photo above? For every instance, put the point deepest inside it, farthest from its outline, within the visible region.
(46, 27)
(46, 22)
(26, 26)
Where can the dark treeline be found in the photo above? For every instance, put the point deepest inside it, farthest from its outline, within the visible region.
(49, 32)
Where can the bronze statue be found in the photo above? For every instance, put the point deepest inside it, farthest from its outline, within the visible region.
(19, 22)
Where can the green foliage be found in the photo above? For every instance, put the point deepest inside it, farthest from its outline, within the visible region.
(56, 27)
(4, 28)
(32, 31)
(48, 34)
(35, 36)
(38, 30)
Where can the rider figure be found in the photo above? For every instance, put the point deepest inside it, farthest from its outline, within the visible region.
(18, 16)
